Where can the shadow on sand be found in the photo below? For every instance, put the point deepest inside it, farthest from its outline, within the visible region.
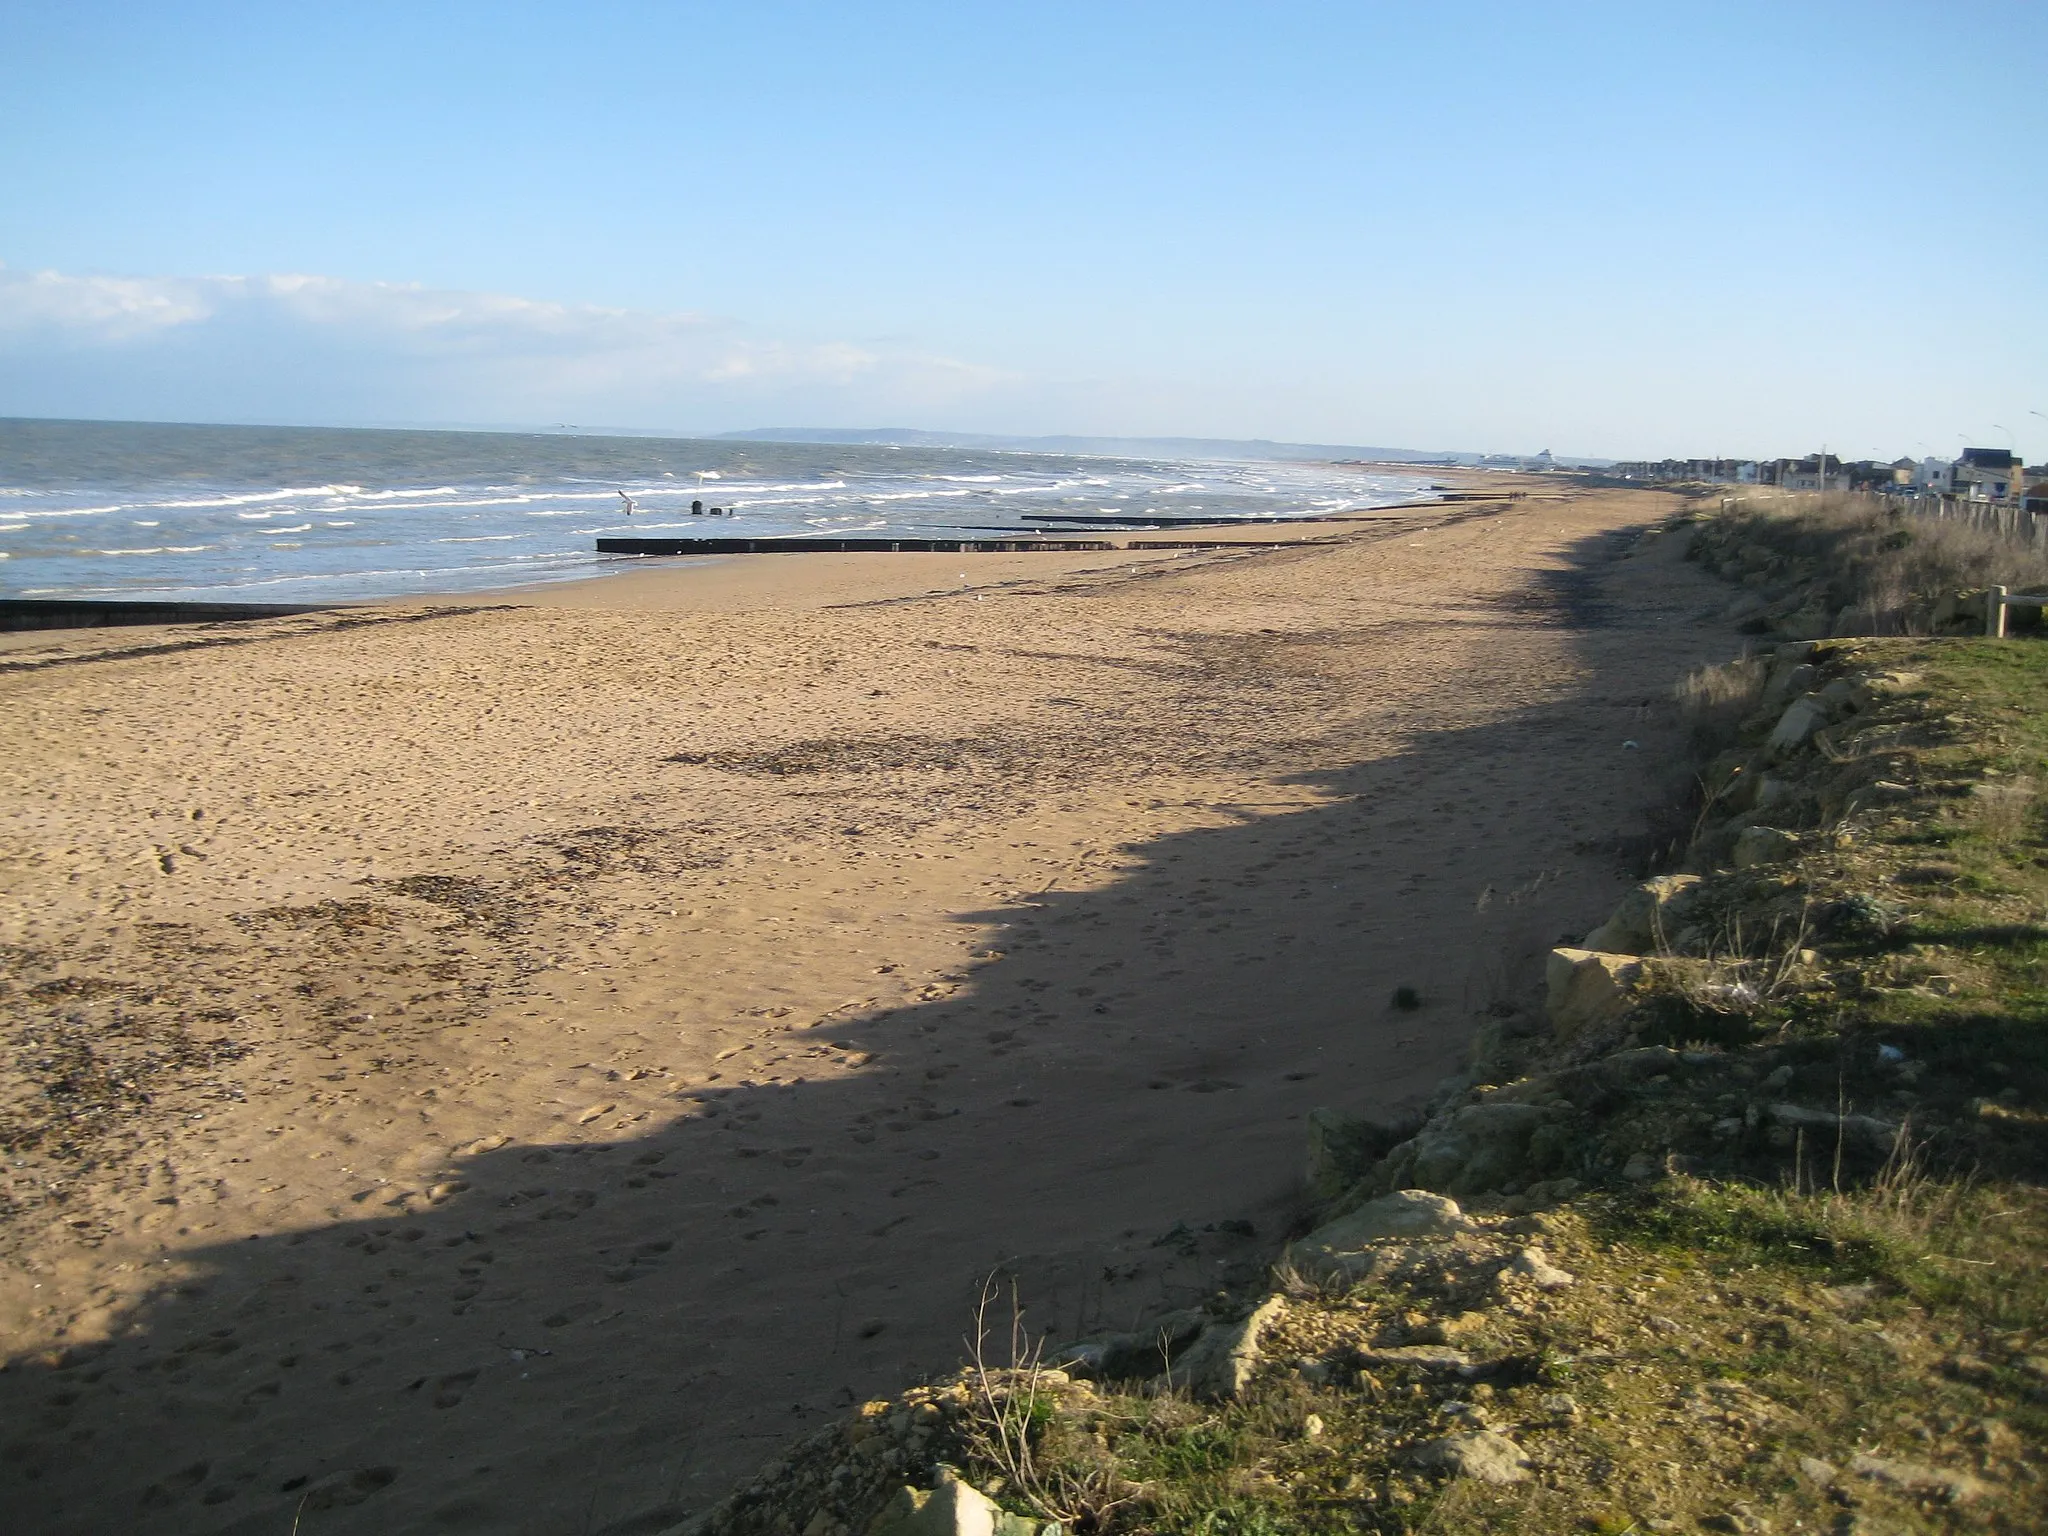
(602, 1336)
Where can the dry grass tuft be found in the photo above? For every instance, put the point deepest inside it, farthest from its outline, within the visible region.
(1888, 567)
(1714, 700)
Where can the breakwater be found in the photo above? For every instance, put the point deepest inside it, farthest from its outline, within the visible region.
(800, 546)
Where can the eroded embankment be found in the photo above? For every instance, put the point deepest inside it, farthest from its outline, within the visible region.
(1743, 1234)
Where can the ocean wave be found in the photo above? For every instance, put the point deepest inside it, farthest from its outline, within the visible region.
(484, 538)
(357, 493)
(252, 497)
(158, 549)
(78, 511)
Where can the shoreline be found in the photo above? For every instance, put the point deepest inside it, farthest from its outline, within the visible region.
(644, 1015)
(29, 614)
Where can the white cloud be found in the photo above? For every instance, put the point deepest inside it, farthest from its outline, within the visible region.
(304, 347)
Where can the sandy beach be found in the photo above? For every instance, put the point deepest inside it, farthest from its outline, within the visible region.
(509, 1065)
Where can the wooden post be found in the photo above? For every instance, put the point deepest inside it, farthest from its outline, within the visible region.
(1994, 613)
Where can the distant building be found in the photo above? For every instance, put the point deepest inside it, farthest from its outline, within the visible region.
(1987, 474)
(1937, 475)
(1817, 472)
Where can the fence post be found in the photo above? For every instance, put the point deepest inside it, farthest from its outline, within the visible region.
(1994, 613)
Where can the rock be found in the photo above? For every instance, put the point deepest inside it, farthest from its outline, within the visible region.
(1455, 1329)
(1346, 1246)
(1533, 1265)
(1220, 1363)
(1645, 918)
(1642, 1167)
(1918, 1477)
(1791, 675)
(1142, 1352)
(954, 1508)
(1802, 717)
(1588, 988)
(1473, 1149)
(1764, 845)
(1435, 1358)
(1811, 622)
(1341, 1150)
(1876, 1135)
(1739, 1521)
(1478, 1453)
(1820, 1473)
(1772, 794)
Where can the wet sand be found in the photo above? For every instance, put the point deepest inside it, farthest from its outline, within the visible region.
(535, 1056)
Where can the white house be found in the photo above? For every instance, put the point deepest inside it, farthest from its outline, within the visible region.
(1935, 475)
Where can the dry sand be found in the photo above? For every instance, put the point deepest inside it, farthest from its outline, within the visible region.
(537, 1056)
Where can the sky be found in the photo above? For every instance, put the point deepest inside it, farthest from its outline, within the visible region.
(1622, 230)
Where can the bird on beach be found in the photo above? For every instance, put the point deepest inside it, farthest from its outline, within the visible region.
(628, 501)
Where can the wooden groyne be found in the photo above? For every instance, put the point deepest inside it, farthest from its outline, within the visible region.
(24, 613)
(1156, 520)
(801, 546)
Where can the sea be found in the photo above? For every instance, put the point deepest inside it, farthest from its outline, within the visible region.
(295, 514)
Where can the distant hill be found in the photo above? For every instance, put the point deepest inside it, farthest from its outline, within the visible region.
(1144, 447)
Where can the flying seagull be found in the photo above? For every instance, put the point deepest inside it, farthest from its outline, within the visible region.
(628, 501)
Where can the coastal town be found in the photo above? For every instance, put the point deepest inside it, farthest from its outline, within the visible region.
(1996, 476)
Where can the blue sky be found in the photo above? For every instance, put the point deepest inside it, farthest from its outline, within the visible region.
(1604, 229)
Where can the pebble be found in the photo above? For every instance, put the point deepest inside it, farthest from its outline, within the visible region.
(1533, 1265)
(1917, 1477)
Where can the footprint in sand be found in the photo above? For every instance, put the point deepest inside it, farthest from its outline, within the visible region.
(449, 1390)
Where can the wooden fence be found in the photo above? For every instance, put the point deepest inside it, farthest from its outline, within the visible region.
(2004, 520)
